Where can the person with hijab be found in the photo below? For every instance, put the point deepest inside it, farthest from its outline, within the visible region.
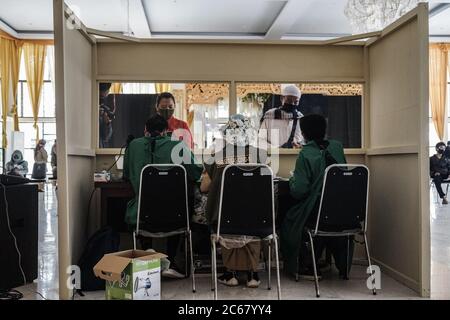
(306, 187)
(239, 136)
(17, 166)
(40, 160)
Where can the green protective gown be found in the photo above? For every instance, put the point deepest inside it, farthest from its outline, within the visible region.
(139, 154)
(306, 186)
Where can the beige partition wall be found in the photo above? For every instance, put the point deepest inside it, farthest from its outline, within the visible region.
(397, 140)
(393, 68)
(74, 53)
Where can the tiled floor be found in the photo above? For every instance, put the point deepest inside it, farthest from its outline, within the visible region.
(440, 249)
(331, 286)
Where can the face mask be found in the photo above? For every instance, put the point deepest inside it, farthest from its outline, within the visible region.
(289, 107)
(166, 113)
(440, 151)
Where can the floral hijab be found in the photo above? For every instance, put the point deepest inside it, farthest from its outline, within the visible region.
(239, 131)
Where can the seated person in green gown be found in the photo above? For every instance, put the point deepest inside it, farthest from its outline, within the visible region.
(306, 186)
(156, 148)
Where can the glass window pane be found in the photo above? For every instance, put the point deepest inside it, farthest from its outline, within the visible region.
(340, 104)
(204, 106)
(27, 109)
(29, 134)
(48, 100)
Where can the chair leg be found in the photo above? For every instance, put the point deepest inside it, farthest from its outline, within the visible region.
(215, 270)
(269, 284)
(277, 263)
(186, 254)
(192, 262)
(212, 266)
(316, 278)
(374, 290)
(348, 258)
(296, 269)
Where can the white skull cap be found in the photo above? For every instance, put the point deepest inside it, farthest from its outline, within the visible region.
(291, 90)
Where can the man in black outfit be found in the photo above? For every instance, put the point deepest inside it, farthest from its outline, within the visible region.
(440, 169)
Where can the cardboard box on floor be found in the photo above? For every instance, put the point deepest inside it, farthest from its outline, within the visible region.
(131, 275)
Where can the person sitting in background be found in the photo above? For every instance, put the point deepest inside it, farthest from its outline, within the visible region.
(17, 166)
(179, 129)
(238, 134)
(53, 160)
(306, 186)
(440, 170)
(40, 161)
(155, 148)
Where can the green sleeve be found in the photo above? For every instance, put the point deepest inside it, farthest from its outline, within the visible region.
(300, 182)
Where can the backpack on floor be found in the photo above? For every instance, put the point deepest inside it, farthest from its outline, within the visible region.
(104, 241)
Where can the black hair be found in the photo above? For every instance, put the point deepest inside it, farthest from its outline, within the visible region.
(440, 144)
(156, 124)
(105, 86)
(164, 95)
(314, 127)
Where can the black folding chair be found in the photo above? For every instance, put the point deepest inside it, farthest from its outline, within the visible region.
(163, 207)
(446, 181)
(246, 208)
(342, 210)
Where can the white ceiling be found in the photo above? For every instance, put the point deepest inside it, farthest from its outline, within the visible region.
(270, 19)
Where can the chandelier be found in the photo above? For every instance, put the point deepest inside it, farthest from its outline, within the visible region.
(373, 15)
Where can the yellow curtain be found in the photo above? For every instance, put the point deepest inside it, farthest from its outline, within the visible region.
(15, 70)
(34, 64)
(438, 86)
(162, 87)
(116, 88)
(190, 118)
(6, 53)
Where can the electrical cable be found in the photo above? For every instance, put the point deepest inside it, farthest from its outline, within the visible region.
(10, 295)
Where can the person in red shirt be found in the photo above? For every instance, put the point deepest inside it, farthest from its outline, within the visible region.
(179, 129)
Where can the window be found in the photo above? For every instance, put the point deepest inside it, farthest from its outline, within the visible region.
(203, 106)
(46, 116)
(432, 136)
(340, 104)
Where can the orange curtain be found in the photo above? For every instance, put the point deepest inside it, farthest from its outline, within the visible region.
(438, 86)
(10, 54)
(116, 88)
(15, 69)
(162, 87)
(34, 64)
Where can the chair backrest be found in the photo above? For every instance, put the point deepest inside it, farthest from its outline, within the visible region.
(247, 201)
(344, 199)
(163, 202)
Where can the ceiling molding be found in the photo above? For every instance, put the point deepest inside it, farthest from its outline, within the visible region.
(139, 23)
(439, 9)
(286, 19)
(147, 18)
